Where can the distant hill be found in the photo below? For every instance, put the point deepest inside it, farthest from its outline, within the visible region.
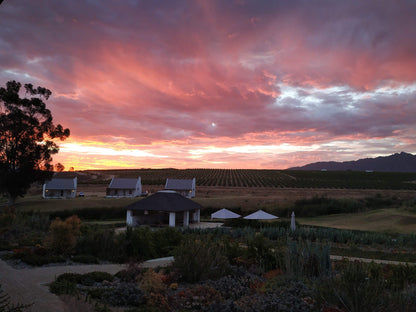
(399, 162)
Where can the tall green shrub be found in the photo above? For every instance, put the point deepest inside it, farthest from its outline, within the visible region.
(103, 244)
(138, 243)
(353, 290)
(267, 255)
(200, 259)
(306, 259)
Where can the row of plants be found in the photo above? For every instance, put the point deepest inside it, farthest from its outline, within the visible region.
(272, 178)
(274, 231)
(322, 205)
(70, 241)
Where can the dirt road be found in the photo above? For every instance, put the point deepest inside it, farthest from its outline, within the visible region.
(30, 285)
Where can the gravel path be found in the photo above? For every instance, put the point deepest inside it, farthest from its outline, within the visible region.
(333, 257)
(29, 285)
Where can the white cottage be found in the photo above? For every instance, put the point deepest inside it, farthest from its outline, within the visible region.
(60, 188)
(123, 187)
(182, 186)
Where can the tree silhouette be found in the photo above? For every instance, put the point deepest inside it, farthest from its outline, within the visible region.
(59, 167)
(27, 139)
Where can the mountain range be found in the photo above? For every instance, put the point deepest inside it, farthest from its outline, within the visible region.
(399, 162)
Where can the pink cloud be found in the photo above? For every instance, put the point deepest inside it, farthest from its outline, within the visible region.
(179, 75)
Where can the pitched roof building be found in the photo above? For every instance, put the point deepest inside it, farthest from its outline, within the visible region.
(164, 207)
(60, 188)
(182, 186)
(124, 187)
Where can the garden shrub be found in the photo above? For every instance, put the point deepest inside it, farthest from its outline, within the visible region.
(103, 244)
(353, 290)
(159, 302)
(39, 260)
(306, 259)
(66, 283)
(197, 259)
(7, 219)
(125, 294)
(293, 297)
(399, 276)
(87, 259)
(63, 287)
(97, 277)
(69, 277)
(232, 249)
(35, 220)
(138, 244)
(152, 282)
(196, 297)
(62, 235)
(22, 229)
(37, 256)
(95, 292)
(267, 255)
(166, 240)
(235, 285)
(5, 245)
(130, 274)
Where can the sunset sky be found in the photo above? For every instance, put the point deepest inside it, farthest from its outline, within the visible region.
(218, 84)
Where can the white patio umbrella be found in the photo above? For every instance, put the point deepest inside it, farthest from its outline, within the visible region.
(224, 214)
(292, 222)
(260, 215)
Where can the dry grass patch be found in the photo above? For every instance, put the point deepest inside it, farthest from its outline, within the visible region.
(382, 220)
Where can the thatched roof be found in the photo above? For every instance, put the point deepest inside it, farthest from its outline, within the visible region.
(165, 201)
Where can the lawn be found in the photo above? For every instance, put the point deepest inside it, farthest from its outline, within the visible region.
(394, 220)
(36, 203)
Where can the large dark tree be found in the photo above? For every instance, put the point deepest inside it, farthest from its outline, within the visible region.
(27, 138)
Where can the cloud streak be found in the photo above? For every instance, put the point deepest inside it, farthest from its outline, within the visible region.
(233, 84)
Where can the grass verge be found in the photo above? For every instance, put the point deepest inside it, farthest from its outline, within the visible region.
(394, 220)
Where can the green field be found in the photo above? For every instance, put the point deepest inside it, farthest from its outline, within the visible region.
(36, 203)
(395, 220)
